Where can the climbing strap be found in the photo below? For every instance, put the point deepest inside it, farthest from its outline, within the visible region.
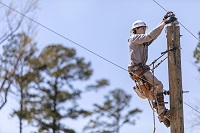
(138, 73)
(162, 54)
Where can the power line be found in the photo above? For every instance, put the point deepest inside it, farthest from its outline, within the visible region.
(63, 36)
(193, 36)
(179, 22)
(160, 5)
(74, 41)
(87, 48)
(71, 40)
(192, 107)
(189, 31)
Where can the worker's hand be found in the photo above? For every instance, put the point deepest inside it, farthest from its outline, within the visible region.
(170, 20)
(168, 14)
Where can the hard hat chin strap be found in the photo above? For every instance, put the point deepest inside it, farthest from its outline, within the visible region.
(134, 31)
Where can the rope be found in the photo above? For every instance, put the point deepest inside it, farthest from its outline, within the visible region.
(94, 52)
(154, 120)
(154, 99)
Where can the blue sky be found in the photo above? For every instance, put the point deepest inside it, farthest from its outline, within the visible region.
(103, 27)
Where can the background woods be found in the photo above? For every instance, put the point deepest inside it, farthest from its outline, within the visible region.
(50, 81)
(44, 82)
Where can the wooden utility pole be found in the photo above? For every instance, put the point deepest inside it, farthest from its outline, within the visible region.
(175, 79)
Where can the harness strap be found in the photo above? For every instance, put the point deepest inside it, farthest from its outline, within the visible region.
(138, 73)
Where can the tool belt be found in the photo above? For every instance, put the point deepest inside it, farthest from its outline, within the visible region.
(138, 73)
(142, 88)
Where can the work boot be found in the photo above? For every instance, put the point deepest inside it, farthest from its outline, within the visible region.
(165, 118)
(166, 122)
(163, 113)
(160, 103)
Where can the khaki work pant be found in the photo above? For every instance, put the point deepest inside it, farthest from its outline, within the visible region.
(158, 86)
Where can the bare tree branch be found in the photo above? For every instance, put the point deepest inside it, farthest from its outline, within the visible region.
(14, 20)
(13, 24)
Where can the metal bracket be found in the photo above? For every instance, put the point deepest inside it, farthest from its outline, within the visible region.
(185, 91)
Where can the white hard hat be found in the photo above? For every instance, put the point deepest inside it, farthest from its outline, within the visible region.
(136, 24)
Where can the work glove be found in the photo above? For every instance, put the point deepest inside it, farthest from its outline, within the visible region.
(170, 20)
(168, 14)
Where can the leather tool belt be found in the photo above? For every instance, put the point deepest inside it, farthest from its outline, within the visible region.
(142, 88)
(138, 73)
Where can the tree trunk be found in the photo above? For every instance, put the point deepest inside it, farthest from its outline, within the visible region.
(21, 111)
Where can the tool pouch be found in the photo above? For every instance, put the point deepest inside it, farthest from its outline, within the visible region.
(137, 74)
(143, 89)
(139, 91)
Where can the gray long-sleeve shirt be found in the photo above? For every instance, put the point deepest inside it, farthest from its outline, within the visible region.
(138, 45)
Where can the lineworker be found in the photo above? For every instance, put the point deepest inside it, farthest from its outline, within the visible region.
(138, 50)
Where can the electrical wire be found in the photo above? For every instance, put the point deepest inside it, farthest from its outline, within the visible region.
(87, 48)
(194, 37)
(179, 22)
(160, 5)
(192, 107)
(70, 40)
(62, 36)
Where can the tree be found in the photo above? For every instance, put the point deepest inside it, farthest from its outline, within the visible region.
(13, 21)
(57, 67)
(112, 115)
(11, 27)
(17, 49)
(197, 54)
(22, 49)
(195, 117)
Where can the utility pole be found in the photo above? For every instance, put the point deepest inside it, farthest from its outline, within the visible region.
(175, 78)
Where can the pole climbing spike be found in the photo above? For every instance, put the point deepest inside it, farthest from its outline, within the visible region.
(166, 123)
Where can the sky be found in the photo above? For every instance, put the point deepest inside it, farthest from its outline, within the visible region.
(103, 26)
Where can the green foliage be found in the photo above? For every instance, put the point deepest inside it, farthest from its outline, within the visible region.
(112, 115)
(58, 67)
(99, 84)
(43, 85)
(59, 61)
(194, 118)
(14, 63)
(197, 53)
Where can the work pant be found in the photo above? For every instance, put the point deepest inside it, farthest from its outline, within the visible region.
(158, 86)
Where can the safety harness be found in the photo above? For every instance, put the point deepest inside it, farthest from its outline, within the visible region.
(145, 89)
(142, 88)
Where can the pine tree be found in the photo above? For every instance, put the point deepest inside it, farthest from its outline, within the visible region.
(11, 26)
(194, 118)
(58, 68)
(113, 114)
(197, 54)
(23, 49)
